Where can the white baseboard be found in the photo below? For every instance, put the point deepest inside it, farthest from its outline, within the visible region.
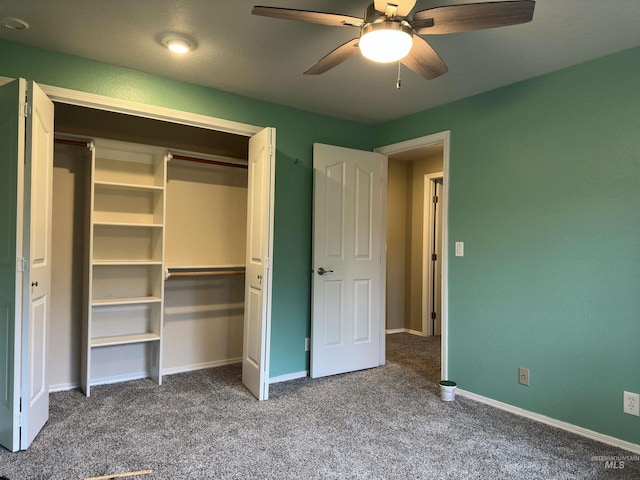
(63, 387)
(583, 432)
(414, 332)
(288, 376)
(404, 330)
(119, 378)
(201, 366)
(394, 330)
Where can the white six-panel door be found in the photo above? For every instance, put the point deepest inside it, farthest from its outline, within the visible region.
(257, 310)
(348, 241)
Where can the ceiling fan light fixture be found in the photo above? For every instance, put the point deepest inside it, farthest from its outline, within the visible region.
(176, 43)
(385, 42)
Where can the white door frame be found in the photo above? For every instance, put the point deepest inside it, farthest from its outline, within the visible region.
(99, 102)
(427, 249)
(445, 139)
(127, 107)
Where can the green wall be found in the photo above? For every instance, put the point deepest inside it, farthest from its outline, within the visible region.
(545, 193)
(296, 131)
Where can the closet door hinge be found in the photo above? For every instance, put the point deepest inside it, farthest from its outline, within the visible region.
(21, 264)
(20, 416)
(435, 199)
(26, 111)
(433, 315)
(434, 257)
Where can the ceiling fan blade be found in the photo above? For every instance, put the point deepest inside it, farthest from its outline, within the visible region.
(331, 19)
(473, 16)
(424, 60)
(337, 56)
(404, 6)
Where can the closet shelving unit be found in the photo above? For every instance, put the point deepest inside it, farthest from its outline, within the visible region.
(124, 297)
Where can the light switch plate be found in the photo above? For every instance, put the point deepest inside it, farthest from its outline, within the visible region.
(459, 249)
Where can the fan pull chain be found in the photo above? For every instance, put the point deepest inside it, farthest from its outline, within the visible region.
(399, 81)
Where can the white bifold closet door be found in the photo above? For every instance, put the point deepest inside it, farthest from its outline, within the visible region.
(26, 129)
(257, 300)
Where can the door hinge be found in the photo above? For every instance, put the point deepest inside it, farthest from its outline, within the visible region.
(435, 199)
(26, 111)
(20, 415)
(433, 315)
(434, 257)
(21, 264)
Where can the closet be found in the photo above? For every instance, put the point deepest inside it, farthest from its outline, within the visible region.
(75, 224)
(150, 222)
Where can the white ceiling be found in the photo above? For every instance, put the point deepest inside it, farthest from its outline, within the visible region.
(264, 58)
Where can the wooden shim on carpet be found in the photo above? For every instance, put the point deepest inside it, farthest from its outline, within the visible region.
(120, 475)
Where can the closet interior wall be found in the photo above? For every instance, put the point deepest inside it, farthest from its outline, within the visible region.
(205, 227)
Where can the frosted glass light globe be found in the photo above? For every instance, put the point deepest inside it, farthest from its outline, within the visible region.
(386, 42)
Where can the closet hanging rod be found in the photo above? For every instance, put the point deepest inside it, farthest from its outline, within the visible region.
(76, 143)
(202, 271)
(205, 273)
(210, 162)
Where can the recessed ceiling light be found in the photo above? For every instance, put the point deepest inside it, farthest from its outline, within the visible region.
(177, 43)
(14, 23)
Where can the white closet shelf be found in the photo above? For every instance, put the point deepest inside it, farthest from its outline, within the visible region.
(100, 302)
(128, 224)
(129, 186)
(124, 339)
(124, 262)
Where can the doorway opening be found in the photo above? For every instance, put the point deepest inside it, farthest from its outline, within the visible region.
(202, 314)
(135, 122)
(416, 287)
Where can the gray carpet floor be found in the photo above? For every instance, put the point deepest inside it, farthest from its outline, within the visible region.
(383, 423)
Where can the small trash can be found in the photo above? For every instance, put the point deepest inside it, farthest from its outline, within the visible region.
(448, 390)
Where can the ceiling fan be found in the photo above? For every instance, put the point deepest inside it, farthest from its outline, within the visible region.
(389, 34)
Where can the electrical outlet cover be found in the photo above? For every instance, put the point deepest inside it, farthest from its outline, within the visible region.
(631, 403)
